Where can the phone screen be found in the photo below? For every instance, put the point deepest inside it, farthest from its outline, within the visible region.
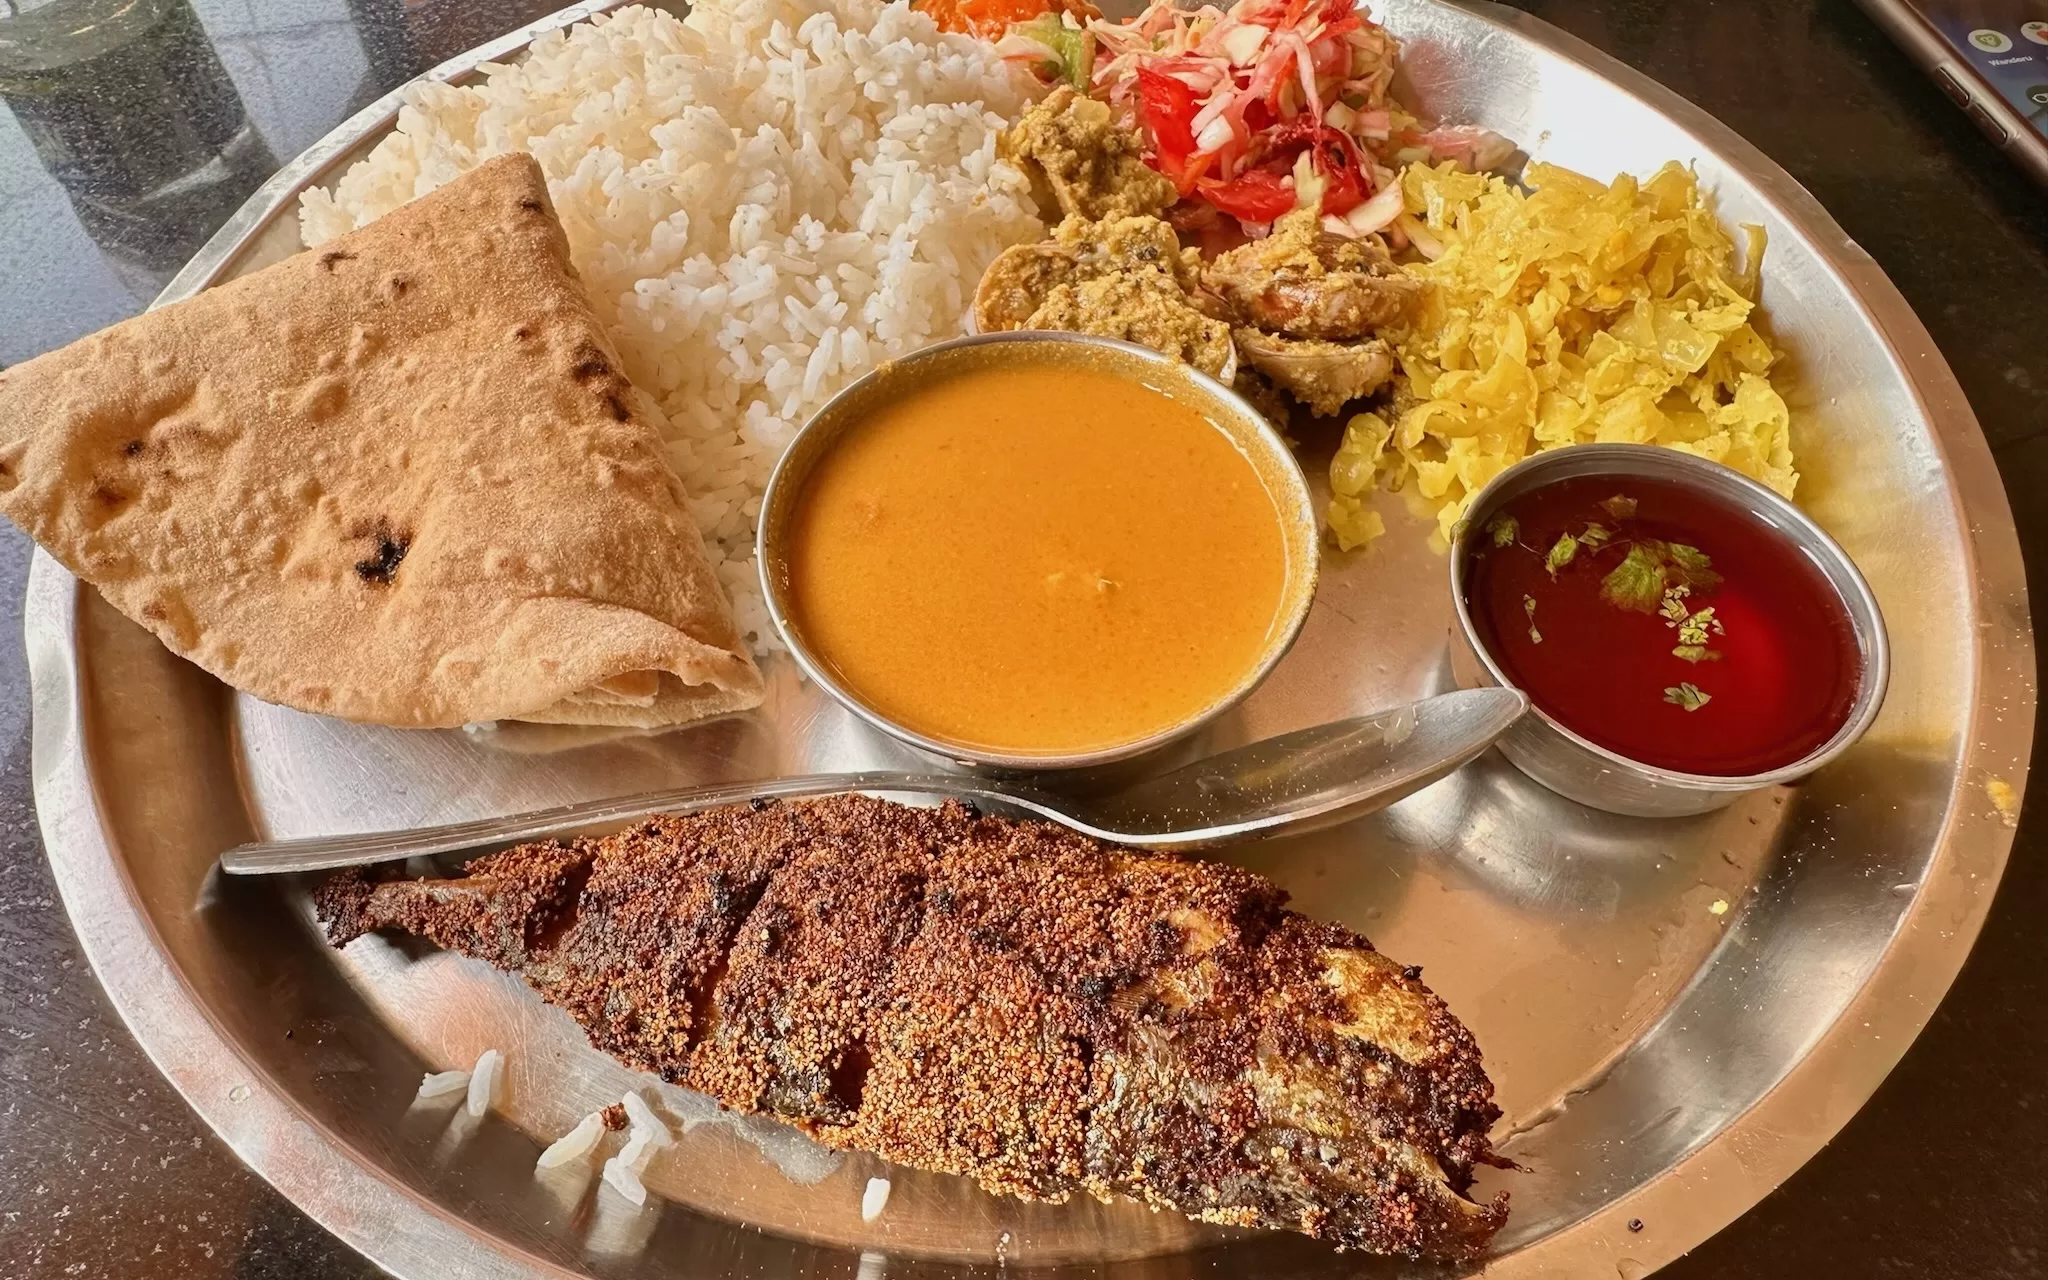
(2005, 42)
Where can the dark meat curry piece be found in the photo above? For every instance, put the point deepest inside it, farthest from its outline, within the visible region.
(1291, 311)
(1005, 1000)
(1321, 374)
(1124, 278)
(1082, 162)
(1305, 282)
(1112, 267)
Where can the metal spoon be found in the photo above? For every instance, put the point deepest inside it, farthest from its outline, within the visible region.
(1295, 782)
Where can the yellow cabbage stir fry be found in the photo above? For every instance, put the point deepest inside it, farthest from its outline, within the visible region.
(1569, 314)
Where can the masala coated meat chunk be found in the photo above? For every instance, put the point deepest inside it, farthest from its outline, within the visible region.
(1261, 393)
(1288, 318)
(1321, 374)
(1124, 277)
(1304, 282)
(1082, 162)
(1142, 247)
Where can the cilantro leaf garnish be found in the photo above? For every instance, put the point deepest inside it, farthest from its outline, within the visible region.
(1595, 535)
(1620, 508)
(1636, 583)
(1694, 628)
(1529, 608)
(1653, 568)
(1561, 553)
(1505, 529)
(1693, 567)
(1688, 695)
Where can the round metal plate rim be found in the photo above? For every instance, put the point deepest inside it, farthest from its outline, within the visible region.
(1726, 1175)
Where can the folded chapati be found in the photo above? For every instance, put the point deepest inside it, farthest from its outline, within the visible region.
(398, 479)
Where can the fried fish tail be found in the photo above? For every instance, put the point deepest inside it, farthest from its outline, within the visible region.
(1004, 1000)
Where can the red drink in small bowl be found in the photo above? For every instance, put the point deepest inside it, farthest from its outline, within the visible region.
(1684, 634)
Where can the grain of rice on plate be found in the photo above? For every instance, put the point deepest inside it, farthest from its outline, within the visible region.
(764, 199)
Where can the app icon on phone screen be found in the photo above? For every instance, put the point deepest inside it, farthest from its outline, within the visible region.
(1990, 41)
(2035, 31)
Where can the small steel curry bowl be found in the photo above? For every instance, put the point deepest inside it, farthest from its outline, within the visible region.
(1253, 436)
(1573, 766)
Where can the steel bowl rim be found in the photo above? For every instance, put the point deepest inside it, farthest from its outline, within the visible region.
(781, 486)
(1869, 625)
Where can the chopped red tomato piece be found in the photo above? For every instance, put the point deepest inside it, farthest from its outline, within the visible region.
(1168, 107)
(1332, 152)
(1253, 196)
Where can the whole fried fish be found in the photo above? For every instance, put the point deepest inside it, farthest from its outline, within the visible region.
(1007, 1000)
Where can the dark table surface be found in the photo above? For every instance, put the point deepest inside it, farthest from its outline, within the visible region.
(104, 1172)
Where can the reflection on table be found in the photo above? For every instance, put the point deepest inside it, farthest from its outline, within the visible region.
(141, 125)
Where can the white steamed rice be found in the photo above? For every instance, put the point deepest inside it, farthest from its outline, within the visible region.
(645, 1123)
(623, 1170)
(873, 1199)
(573, 1145)
(765, 198)
(441, 1084)
(483, 1082)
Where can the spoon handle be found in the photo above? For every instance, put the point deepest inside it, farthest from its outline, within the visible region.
(327, 853)
(1297, 781)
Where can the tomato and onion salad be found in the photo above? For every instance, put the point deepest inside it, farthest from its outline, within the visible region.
(1252, 112)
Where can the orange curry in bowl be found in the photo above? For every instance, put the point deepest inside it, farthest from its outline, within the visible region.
(1041, 557)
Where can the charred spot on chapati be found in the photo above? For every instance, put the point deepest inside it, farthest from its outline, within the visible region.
(382, 564)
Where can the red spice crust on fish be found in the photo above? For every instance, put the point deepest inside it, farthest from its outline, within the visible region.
(1006, 1000)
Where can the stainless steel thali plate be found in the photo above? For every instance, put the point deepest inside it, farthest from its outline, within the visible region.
(1677, 1013)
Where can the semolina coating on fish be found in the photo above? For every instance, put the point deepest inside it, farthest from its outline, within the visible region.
(1006, 1000)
